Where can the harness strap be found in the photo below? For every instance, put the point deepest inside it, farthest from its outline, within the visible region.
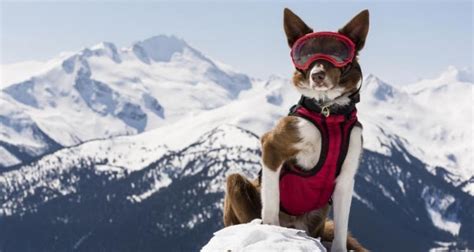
(313, 106)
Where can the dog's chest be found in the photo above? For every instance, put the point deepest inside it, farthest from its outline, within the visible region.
(310, 145)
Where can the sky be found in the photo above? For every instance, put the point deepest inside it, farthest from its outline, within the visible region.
(407, 40)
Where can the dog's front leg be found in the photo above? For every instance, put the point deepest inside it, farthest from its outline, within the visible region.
(342, 195)
(342, 198)
(278, 146)
(271, 166)
(270, 196)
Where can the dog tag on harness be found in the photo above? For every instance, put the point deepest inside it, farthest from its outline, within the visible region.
(325, 111)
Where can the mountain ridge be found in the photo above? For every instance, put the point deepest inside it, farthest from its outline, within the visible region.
(114, 100)
(115, 88)
(155, 135)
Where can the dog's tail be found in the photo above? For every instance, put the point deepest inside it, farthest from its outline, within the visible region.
(328, 236)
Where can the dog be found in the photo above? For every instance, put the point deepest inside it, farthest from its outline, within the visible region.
(310, 158)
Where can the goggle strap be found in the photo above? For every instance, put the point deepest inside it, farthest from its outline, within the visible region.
(356, 95)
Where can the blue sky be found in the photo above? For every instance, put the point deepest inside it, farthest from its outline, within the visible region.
(407, 40)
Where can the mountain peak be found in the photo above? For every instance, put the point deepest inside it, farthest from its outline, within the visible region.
(372, 81)
(452, 77)
(454, 74)
(229, 135)
(104, 45)
(159, 48)
(162, 39)
(378, 88)
(372, 78)
(106, 48)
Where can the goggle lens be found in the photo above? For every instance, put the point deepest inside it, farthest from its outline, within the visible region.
(333, 47)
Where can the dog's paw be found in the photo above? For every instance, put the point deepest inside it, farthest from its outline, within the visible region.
(256, 221)
(275, 222)
(270, 218)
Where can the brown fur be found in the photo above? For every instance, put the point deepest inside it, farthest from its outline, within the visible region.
(242, 201)
(357, 29)
(313, 222)
(294, 27)
(278, 144)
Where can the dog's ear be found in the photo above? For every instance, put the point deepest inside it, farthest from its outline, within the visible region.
(357, 29)
(295, 28)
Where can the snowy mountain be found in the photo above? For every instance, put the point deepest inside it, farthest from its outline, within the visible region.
(88, 200)
(127, 149)
(93, 198)
(101, 92)
(432, 118)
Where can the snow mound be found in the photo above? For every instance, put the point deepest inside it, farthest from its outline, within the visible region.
(254, 236)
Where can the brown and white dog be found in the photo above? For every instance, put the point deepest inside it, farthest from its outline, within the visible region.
(298, 141)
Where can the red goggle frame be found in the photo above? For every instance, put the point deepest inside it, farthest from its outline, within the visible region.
(330, 46)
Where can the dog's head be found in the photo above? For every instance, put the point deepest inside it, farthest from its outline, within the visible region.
(322, 80)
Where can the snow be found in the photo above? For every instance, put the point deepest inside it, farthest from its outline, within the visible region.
(469, 188)
(364, 201)
(437, 205)
(18, 129)
(443, 224)
(386, 192)
(7, 159)
(17, 72)
(402, 186)
(254, 236)
(444, 247)
(156, 186)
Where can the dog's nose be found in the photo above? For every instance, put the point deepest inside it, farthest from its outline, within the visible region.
(318, 77)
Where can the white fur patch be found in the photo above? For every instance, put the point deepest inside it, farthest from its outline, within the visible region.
(310, 145)
(325, 97)
(351, 163)
(316, 68)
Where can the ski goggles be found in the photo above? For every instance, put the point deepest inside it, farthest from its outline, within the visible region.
(330, 46)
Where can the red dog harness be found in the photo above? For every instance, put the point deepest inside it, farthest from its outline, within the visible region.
(302, 191)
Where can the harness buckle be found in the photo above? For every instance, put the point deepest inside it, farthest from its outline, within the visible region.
(325, 111)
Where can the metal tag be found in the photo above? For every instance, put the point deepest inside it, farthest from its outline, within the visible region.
(325, 111)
